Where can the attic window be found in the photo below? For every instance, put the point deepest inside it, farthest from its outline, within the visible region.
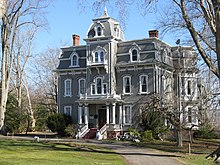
(99, 31)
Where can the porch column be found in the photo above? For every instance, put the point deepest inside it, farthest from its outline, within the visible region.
(80, 114)
(120, 114)
(86, 114)
(123, 115)
(107, 113)
(113, 113)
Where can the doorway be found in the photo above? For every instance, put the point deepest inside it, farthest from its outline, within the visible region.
(102, 117)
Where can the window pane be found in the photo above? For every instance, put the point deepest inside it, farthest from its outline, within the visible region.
(143, 84)
(82, 86)
(127, 85)
(127, 114)
(67, 87)
(102, 56)
(74, 60)
(93, 89)
(99, 86)
(189, 90)
(189, 115)
(99, 31)
(104, 88)
(67, 110)
(96, 57)
(134, 55)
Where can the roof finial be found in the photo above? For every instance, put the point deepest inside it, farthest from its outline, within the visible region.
(105, 12)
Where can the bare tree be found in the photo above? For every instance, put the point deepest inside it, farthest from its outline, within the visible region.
(45, 77)
(16, 14)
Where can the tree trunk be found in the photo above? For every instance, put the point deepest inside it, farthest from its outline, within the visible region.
(179, 137)
(30, 109)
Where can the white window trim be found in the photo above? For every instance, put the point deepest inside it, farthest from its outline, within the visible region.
(99, 50)
(65, 90)
(102, 87)
(140, 84)
(65, 110)
(130, 119)
(79, 87)
(71, 60)
(124, 85)
(138, 54)
(96, 30)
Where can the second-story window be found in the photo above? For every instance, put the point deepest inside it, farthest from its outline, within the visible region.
(127, 85)
(98, 87)
(143, 84)
(96, 56)
(67, 87)
(82, 87)
(102, 56)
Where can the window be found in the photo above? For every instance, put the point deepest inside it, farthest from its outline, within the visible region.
(96, 57)
(82, 87)
(102, 56)
(126, 85)
(99, 56)
(67, 87)
(189, 115)
(189, 87)
(143, 84)
(127, 114)
(93, 88)
(99, 85)
(99, 31)
(68, 110)
(74, 60)
(134, 55)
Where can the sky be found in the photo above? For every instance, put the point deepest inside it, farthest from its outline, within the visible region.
(65, 18)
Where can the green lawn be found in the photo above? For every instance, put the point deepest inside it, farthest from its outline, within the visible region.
(199, 150)
(31, 153)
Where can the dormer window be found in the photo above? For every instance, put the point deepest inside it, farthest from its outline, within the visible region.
(74, 60)
(135, 53)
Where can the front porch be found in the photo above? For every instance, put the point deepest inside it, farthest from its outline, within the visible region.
(105, 116)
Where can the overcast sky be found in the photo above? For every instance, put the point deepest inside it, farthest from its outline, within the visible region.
(65, 18)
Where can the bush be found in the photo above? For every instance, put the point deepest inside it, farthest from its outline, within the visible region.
(71, 130)
(147, 136)
(205, 132)
(133, 133)
(58, 123)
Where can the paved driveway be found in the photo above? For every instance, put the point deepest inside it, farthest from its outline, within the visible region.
(139, 156)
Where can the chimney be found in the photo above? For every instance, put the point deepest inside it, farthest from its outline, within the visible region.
(76, 40)
(153, 33)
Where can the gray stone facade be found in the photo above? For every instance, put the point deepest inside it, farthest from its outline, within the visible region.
(100, 83)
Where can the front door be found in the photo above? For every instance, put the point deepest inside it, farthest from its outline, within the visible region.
(102, 118)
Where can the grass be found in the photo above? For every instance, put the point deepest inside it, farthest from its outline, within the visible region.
(199, 150)
(25, 152)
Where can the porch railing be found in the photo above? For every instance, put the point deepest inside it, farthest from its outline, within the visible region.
(82, 131)
(103, 129)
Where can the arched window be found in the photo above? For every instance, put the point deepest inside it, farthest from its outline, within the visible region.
(99, 31)
(96, 56)
(134, 55)
(102, 56)
(74, 60)
(67, 87)
(99, 55)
